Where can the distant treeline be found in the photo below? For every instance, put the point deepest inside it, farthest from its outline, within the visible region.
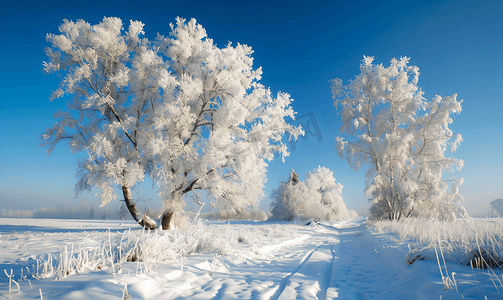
(81, 210)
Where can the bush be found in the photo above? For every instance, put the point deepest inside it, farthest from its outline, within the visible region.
(317, 197)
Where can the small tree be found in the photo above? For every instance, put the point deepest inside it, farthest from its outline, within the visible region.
(189, 114)
(497, 207)
(317, 197)
(123, 211)
(403, 137)
(91, 212)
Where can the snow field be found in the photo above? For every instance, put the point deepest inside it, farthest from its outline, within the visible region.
(225, 260)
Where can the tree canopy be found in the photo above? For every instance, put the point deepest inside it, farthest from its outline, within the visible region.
(178, 109)
(402, 137)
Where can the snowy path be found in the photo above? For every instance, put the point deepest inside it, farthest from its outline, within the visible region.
(271, 261)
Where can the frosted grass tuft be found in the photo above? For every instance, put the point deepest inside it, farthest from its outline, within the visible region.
(149, 249)
(468, 241)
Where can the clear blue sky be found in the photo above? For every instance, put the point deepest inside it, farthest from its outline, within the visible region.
(301, 45)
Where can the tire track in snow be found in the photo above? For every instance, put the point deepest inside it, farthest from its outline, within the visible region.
(284, 281)
(269, 248)
(310, 279)
(327, 276)
(221, 291)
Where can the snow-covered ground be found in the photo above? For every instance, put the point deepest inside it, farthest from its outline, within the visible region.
(238, 260)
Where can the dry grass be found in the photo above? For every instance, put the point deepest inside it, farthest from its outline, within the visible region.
(475, 242)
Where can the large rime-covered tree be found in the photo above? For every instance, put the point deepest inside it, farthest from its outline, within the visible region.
(219, 124)
(110, 76)
(403, 138)
(181, 110)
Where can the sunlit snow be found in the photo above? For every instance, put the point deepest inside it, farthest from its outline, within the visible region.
(227, 260)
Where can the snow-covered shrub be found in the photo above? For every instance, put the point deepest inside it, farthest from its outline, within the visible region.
(84, 210)
(232, 214)
(403, 138)
(497, 207)
(8, 213)
(317, 197)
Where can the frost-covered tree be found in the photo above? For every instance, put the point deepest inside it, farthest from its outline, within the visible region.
(179, 109)
(219, 125)
(123, 211)
(111, 77)
(317, 197)
(497, 207)
(403, 137)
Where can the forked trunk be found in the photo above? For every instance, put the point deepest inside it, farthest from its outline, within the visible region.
(166, 220)
(145, 221)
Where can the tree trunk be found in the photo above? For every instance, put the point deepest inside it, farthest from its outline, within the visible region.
(146, 222)
(294, 177)
(166, 220)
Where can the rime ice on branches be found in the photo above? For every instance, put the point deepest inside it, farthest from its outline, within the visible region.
(179, 109)
(403, 138)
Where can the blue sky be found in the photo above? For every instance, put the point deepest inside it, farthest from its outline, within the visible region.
(457, 45)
